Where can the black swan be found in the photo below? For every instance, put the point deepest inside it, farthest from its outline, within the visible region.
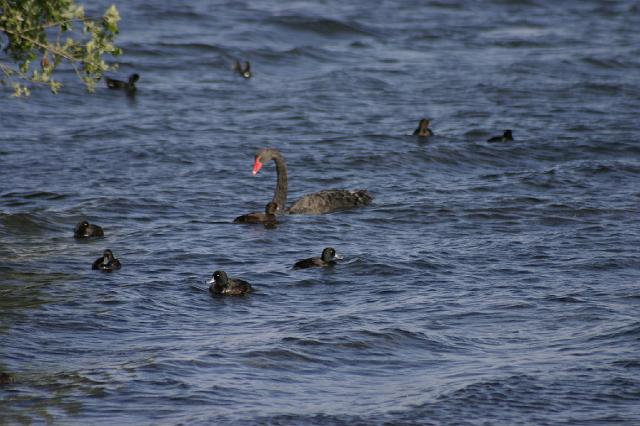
(423, 128)
(327, 259)
(245, 72)
(506, 136)
(128, 86)
(220, 283)
(266, 218)
(85, 230)
(106, 263)
(325, 201)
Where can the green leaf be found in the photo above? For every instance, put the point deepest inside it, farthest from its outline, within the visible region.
(34, 29)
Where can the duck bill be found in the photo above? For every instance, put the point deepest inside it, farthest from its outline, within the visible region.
(338, 257)
(256, 166)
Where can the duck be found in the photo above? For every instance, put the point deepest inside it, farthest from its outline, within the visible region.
(107, 263)
(506, 136)
(86, 230)
(328, 258)
(423, 128)
(129, 86)
(6, 379)
(266, 218)
(220, 283)
(245, 72)
(325, 201)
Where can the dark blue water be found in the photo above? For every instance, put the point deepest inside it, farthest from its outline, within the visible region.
(486, 284)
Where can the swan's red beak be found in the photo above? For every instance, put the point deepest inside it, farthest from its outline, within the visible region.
(257, 166)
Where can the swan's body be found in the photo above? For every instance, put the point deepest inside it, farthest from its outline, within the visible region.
(220, 283)
(329, 200)
(325, 201)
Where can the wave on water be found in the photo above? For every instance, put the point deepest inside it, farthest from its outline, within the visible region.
(323, 26)
(19, 224)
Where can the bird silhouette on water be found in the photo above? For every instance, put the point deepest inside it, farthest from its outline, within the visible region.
(423, 128)
(506, 136)
(220, 283)
(128, 86)
(86, 230)
(243, 71)
(328, 258)
(106, 263)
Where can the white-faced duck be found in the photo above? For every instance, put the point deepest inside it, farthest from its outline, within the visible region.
(86, 230)
(266, 218)
(220, 283)
(129, 86)
(326, 201)
(243, 71)
(506, 136)
(423, 128)
(106, 263)
(328, 258)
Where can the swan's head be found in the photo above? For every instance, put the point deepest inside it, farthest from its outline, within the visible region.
(262, 157)
(257, 165)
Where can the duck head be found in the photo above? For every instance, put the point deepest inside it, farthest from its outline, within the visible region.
(329, 254)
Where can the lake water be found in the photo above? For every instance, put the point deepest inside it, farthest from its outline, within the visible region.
(488, 283)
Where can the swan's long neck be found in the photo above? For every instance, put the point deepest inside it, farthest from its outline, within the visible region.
(280, 196)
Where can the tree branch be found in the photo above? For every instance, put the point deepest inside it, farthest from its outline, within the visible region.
(42, 45)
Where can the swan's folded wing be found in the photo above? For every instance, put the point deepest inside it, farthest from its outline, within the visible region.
(330, 200)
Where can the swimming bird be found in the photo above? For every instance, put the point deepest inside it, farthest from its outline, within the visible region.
(326, 201)
(106, 263)
(86, 230)
(506, 136)
(245, 72)
(423, 128)
(266, 218)
(220, 283)
(129, 86)
(6, 379)
(327, 259)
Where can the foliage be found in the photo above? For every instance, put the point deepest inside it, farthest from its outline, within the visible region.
(41, 34)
